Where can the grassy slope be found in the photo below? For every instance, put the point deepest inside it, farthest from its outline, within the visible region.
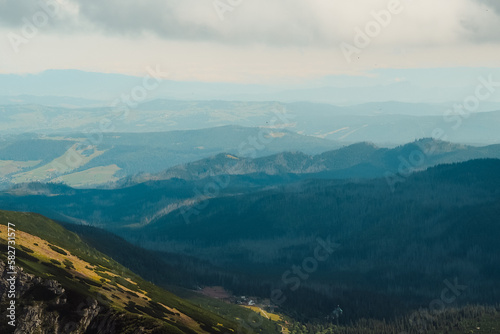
(81, 268)
(146, 264)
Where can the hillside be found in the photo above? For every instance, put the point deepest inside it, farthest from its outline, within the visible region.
(95, 159)
(396, 246)
(453, 320)
(64, 283)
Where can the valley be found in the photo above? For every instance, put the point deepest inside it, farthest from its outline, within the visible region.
(302, 241)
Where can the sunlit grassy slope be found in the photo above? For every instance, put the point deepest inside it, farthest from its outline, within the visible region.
(45, 249)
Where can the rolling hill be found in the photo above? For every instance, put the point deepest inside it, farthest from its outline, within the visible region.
(100, 158)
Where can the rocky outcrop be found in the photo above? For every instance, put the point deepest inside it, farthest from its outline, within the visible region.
(44, 306)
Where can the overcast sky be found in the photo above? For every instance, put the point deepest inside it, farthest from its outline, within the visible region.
(248, 41)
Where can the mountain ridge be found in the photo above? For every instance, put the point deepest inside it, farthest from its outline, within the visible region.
(382, 160)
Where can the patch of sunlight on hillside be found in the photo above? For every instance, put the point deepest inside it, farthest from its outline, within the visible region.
(72, 159)
(9, 166)
(90, 177)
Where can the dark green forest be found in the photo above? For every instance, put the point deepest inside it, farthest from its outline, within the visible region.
(396, 250)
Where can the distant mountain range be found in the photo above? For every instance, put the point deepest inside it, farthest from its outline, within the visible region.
(49, 101)
(408, 85)
(384, 123)
(362, 160)
(128, 158)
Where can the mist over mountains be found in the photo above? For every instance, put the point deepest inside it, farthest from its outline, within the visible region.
(385, 123)
(80, 88)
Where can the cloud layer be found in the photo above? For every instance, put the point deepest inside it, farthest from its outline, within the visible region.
(272, 22)
(246, 39)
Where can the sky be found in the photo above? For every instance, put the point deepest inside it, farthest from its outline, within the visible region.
(248, 41)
